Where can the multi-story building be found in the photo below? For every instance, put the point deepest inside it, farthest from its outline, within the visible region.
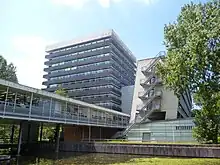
(91, 69)
(151, 100)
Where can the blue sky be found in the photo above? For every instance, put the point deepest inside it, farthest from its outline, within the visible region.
(26, 27)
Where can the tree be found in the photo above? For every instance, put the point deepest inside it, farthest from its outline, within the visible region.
(193, 62)
(60, 91)
(7, 71)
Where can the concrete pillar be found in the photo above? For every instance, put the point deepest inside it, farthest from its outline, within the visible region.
(83, 134)
(12, 134)
(100, 133)
(41, 131)
(57, 138)
(28, 133)
(20, 138)
(89, 133)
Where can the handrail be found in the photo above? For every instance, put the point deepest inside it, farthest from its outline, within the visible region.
(133, 122)
(156, 58)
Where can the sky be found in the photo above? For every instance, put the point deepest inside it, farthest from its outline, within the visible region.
(28, 26)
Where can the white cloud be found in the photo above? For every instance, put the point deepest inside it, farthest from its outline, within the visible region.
(147, 2)
(107, 3)
(103, 3)
(30, 59)
(74, 3)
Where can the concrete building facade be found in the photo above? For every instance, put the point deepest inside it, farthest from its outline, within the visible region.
(151, 100)
(177, 130)
(126, 98)
(91, 69)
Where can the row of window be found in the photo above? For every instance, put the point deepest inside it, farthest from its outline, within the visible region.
(81, 59)
(90, 88)
(108, 104)
(123, 76)
(119, 53)
(80, 67)
(80, 74)
(86, 81)
(98, 96)
(184, 127)
(78, 46)
(124, 72)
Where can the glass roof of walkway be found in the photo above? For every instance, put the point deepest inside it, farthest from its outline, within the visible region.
(21, 102)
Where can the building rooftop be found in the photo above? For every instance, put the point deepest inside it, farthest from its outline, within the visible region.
(96, 36)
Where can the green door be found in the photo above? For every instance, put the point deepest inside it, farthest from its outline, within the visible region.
(146, 137)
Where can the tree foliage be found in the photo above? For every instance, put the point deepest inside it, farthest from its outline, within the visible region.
(61, 91)
(7, 71)
(193, 62)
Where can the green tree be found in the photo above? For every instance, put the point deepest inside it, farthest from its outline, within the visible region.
(7, 71)
(61, 91)
(193, 62)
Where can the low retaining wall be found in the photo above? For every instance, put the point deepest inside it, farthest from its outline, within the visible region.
(200, 151)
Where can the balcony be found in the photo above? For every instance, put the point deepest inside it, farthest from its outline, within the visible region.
(144, 95)
(154, 107)
(150, 81)
(147, 70)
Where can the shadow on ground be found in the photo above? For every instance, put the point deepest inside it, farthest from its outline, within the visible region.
(70, 158)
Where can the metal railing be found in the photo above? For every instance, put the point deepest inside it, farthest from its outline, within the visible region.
(145, 81)
(48, 114)
(151, 64)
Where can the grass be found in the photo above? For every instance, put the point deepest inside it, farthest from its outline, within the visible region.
(170, 161)
(138, 142)
(137, 161)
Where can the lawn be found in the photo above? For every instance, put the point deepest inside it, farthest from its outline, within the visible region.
(170, 161)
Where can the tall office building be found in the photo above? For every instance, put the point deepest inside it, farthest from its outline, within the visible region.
(91, 69)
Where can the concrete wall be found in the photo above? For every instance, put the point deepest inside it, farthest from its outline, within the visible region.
(126, 98)
(168, 150)
(75, 133)
(164, 131)
(169, 103)
(137, 87)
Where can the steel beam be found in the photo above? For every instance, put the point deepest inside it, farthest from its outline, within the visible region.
(15, 101)
(6, 98)
(41, 131)
(30, 106)
(50, 108)
(43, 108)
(57, 138)
(20, 138)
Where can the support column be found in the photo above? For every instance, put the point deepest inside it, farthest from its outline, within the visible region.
(89, 133)
(15, 101)
(41, 131)
(20, 138)
(12, 134)
(30, 106)
(50, 108)
(57, 138)
(82, 133)
(28, 133)
(6, 99)
(100, 133)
